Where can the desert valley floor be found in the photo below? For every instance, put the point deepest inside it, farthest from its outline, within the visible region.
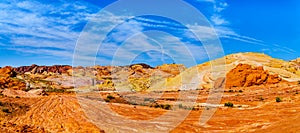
(259, 94)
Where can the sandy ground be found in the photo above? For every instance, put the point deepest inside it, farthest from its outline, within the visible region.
(255, 110)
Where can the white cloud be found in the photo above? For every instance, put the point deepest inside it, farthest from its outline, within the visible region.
(222, 25)
(211, 1)
(159, 22)
(218, 20)
(41, 26)
(35, 24)
(225, 32)
(220, 6)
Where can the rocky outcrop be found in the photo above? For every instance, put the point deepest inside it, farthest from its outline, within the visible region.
(244, 75)
(146, 66)
(294, 66)
(35, 69)
(7, 79)
(7, 72)
(173, 69)
(104, 70)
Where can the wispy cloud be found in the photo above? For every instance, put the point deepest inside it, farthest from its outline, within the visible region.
(52, 29)
(31, 24)
(222, 26)
(278, 48)
(210, 1)
(218, 7)
(218, 20)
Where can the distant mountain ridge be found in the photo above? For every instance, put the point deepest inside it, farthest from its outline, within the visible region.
(142, 76)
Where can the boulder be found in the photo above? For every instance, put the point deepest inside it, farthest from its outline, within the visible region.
(244, 75)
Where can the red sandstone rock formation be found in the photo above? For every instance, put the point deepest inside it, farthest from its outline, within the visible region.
(244, 75)
(7, 80)
(34, 69)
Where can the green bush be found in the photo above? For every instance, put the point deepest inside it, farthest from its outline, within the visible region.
(110, 97)
(228, 104)
(278, 99)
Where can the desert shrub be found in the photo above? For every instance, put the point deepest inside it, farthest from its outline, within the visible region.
(110, 97)
(189, 108)
(196, 108)
(107, 100)
(167, 107)
(143, 104)
(149, 99)
(1, 104)
(228, 104)
(230, 91)
(278, 99)
(163, 106)
(27, 89)
(261, 98)
(17, 96)
(180, 106)
(156, 106)
(55, 90)
(133, 103)
(6, 110)
(240, 91)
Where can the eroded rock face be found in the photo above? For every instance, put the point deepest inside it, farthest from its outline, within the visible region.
(7, 72)
(7, 80)
(244, 75)
(35, 69)
(173, 69)
(104, 70)
(143, 65)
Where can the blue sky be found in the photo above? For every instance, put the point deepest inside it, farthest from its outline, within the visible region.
(46, 32)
